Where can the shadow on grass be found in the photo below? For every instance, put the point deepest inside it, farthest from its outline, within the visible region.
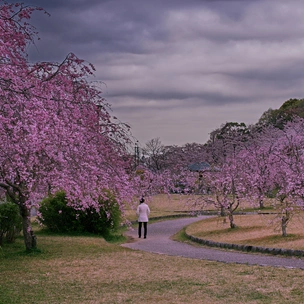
(112, 236)
(17, 249)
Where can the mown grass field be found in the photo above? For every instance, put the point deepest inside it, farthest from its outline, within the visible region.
(87, 269)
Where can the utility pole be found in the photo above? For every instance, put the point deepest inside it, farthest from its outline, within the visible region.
(136, 154)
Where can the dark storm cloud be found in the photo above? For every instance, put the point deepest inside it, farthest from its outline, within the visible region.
(110, 26)
(178, 69)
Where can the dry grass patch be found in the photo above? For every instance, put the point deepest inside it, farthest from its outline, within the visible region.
(163, 205)
(89, 270)
(255, 230)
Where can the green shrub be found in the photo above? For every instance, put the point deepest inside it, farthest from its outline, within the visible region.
(10, 222)
(104, 221)
(57, 216)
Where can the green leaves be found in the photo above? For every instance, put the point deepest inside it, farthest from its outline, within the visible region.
(10, 222)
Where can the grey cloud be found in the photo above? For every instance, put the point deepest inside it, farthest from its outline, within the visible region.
(179, 64)
(189, 98)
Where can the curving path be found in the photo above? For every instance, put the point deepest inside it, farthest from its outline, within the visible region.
(158, 241)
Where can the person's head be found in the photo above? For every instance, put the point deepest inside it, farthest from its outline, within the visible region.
(142, 200)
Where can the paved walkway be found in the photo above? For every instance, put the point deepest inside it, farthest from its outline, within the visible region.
(158, 241)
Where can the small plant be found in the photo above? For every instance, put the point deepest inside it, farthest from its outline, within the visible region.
(10, 222)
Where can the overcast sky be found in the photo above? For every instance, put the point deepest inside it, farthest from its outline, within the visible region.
(178, 69)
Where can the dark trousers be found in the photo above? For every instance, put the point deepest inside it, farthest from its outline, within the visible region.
(145, 228)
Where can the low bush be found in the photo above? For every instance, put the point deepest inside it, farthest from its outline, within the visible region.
(58, 216)
(10, 222)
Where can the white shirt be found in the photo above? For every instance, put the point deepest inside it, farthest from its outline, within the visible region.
(143, 212)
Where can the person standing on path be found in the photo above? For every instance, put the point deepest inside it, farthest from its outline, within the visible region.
(143, 212)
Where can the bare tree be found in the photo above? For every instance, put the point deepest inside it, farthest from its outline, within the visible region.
(154, 154)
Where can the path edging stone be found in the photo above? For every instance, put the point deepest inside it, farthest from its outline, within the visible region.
(246, 248)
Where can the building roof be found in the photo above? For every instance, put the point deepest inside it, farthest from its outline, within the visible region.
(197, 167)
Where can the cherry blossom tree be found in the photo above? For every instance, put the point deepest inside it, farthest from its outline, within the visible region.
(256, 158)
(273, 163)
(288, 166)
(56, 131)
(228, 187)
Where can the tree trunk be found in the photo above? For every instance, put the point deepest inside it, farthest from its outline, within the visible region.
(223, 213)
(231, 220)
(28, 234)
(284, 225)
(262, 204)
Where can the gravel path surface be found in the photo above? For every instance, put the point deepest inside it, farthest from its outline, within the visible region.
(158, 241)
